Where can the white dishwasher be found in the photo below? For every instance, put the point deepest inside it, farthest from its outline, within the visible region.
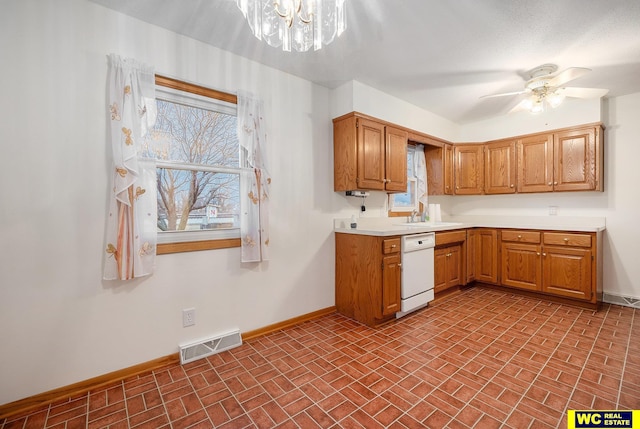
(417, 280)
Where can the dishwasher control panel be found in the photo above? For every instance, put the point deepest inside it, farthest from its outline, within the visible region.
(413, 242)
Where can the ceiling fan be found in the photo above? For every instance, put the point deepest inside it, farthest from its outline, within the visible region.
(545, 86)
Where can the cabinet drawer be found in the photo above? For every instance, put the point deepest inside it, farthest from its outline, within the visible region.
(390, 245)
(451, 237)
(565, 239)
(521, 236)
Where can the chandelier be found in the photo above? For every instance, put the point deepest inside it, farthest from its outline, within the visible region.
(300, 24)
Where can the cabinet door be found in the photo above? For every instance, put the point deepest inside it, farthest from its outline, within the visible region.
(486, 266)
(440, 269)
(521, 266)
(468, 169)
(396, 160)
(500, 168)
(391, 284)
(575, 160)
(535, 164)
(567, 272)
(448, 169)
(454, 266)
(371, 153)
(439, 169)
(472, 237)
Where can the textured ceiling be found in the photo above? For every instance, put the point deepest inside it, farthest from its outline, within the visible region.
(439, 55)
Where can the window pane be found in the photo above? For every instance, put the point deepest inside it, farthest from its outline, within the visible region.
(407, 199)
(193, 135)
(197, 200)
(410, 154)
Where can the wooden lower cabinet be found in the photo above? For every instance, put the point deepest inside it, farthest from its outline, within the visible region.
(449, 260)
(567, 265)
(391, 276)
(447, 267)
(367, 283)
(562, 264)
(521, 266)
(486, 255)
(567, 272)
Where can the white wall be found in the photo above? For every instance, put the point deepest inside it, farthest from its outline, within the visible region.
(571, 112)
(59, 322)
(356, 96)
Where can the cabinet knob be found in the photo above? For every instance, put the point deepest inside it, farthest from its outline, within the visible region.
(566, 240)
(400, 264)
(519, 237)
(393, 246)
(555, 183)
(544, 254)
(512, 185)
(550, 183)
(538, 253)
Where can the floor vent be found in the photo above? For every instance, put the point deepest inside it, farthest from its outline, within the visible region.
(209, 346)
(626, 301)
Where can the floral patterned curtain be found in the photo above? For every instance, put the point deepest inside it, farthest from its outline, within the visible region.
(131, 221)
(254, 181)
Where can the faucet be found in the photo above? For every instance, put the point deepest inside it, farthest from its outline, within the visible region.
(414, 213)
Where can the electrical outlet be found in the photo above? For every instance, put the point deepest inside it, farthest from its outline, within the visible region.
(553, 210)
(188, 317)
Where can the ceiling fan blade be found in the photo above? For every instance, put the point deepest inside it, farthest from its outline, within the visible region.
(504, 94)
(523, 105)
(568, 75)
(583, 92)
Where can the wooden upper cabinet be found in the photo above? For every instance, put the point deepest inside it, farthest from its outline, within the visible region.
(500, 168)
(448, 169)
(439, 161)
(369, 155)
(535, 163)
(569, 160)
(396, 160)
(576, 163)
(468, 169)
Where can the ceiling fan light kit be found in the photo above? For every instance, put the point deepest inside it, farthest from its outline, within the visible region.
(545, 88)
(300, 24)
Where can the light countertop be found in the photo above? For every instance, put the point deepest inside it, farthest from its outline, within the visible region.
(385, 226)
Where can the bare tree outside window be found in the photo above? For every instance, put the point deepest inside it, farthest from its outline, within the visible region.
(198, 186)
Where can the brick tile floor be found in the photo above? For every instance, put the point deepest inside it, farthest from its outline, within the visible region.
(479, 359)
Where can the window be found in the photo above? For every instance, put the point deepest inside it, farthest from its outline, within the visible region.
(406, 202)
(195, 147)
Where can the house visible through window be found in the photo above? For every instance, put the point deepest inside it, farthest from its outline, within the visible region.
(407, 201)
(195, 146)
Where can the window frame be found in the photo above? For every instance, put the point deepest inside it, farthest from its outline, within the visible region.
(179, 242)
(406, 211)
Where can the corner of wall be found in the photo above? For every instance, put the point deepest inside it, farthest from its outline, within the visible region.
(341, 100)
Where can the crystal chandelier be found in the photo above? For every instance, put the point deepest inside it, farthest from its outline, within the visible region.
(300, 24)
